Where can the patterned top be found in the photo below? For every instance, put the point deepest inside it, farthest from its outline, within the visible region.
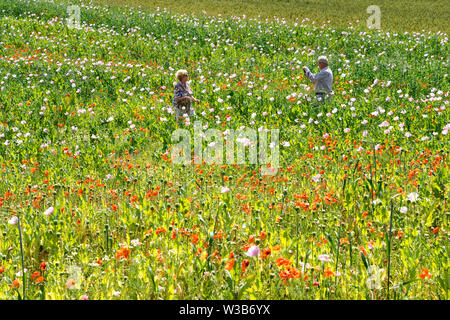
(182, 91)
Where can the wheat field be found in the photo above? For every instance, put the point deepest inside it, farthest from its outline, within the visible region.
(396, 16)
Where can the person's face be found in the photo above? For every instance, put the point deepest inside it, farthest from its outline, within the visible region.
(321, 65)
(185, 78)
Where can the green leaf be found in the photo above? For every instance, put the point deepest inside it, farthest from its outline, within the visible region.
(331, 242)
(244, 287)
(229, 280)
(404, 283)
(364, 260)
(152, 276)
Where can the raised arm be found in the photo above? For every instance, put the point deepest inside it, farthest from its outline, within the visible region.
(314, 76)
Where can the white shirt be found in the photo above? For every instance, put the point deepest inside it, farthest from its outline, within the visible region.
(323, 80)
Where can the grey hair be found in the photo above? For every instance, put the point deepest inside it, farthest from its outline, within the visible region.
(180, 74)
(323, 59)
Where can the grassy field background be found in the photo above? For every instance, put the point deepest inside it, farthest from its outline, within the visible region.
(396, 16)
(93, 207)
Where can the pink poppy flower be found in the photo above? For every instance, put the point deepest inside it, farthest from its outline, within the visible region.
(253, 251)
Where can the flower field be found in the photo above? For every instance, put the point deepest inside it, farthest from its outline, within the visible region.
(93, 207)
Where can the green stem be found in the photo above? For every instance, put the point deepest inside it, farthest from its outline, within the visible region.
(21, 253)
(337, 256)
(389, 248)
(296, 219)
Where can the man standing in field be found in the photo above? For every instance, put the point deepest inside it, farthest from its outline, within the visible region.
(323, 80)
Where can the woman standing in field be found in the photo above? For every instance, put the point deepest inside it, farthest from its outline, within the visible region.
(183, 96)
